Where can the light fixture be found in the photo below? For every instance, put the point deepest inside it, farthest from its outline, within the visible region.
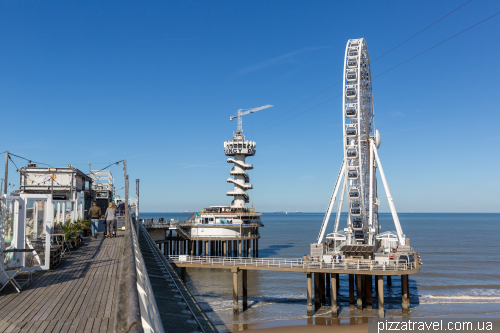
(69, 165)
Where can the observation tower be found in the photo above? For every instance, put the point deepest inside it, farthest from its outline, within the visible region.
(232, 230)
(239, 149)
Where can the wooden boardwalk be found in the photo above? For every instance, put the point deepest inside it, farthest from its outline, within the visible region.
(77, 296)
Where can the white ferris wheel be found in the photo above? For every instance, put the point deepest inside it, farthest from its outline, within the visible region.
(357, 177)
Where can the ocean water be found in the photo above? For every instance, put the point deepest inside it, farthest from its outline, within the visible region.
(460, 274)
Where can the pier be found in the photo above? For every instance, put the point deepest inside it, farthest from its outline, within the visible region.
(325, 277)
(78, 296)
(119, 284)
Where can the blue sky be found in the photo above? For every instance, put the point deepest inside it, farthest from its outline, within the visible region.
(155, 83)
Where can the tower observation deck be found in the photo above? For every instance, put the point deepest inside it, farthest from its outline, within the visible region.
(239, 148)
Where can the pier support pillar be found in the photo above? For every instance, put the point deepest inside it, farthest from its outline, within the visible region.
(200, 248)
(359, 292)
(368, 285)
(239, 248)
(380, 294)
(224, 250)
(253, 247)
(404, 293)
(257, 247)
(206, 248)
(183, 274)
(317, 297)
(248, 249)
(351, 291)
(235, 270)
(229, 248)
(327, 287)
(333, 283)
(244, 278)
(309, 295)
(389, 280)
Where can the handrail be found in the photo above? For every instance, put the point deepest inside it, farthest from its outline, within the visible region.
(134, 313)
(290, 263)
(128, 310)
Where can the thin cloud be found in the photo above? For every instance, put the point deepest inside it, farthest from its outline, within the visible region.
(276, 60)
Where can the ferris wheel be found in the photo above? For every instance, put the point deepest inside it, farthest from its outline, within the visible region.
(357, 177)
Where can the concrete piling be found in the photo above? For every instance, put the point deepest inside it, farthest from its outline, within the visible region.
(380, 295)
(359, 291)
(351, 291)
(404, 293)
(327, 287)
(333, 283)
(245, 289)
(234, 270)
(317, 300)
(368, 286)
(183, 274)
(309, 294)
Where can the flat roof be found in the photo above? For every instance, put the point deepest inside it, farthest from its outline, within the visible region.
(357, 248)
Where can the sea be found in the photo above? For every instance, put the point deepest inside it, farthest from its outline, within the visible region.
(460, 275)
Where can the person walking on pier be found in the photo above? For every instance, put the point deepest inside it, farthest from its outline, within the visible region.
(110, 220)
(95, 214)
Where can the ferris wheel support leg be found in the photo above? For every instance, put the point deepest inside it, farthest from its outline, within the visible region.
(402, 241)
(330, 205)
(339, 208)
(370, 213)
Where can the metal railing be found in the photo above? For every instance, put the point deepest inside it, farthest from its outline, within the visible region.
(163, 262)
(290, 263)
(136, 309)
(226, 237)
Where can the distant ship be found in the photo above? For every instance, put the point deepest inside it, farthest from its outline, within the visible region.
(298, 212)
(279, 212)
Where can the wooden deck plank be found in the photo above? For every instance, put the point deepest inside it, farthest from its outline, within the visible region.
(104, 325)
(88, 326)
(57, 279)
(104, 291)
(97, 325)
(110, 277)
(89, 298)
(67, 326)
(77, 296)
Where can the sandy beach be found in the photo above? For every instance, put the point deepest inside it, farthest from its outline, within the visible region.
(360, 328)
(314, 325)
